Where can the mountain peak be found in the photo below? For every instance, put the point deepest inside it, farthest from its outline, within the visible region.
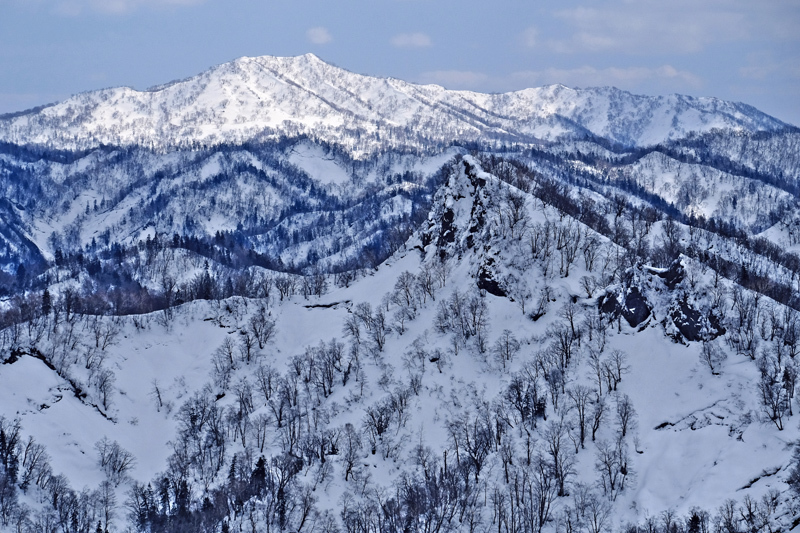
(254, 97)
(309, 56)
(302, 59)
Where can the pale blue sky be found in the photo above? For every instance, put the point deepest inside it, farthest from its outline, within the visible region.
(744, 50)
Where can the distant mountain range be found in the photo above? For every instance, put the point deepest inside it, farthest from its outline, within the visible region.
(258, 145)
(267, 97)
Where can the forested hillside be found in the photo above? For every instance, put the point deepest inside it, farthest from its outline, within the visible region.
(280, 296)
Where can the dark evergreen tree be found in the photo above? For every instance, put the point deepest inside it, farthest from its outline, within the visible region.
(258, 479)
(47, 304)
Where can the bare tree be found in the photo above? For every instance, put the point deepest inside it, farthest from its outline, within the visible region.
(104, 380)
(522, 395)
(589, 284)
(379, 328)
(10, 443)
(626, 415)
(611, 463)
(598, 413)
(591, 247)
(286, 285)
(570, 312)
(107, 500)
(352, 328)
(532, 491)
(35, 462)
(266, 381)
(514, 214)
(224, 363)
(615, 367)
(791, 331)
(376, 422)
(247, 344)
(563, 344)
(713, 356)
(580, 397)
(104, 331)
(597, 366)
(568, 240)
(351, 449)
(476, 438)
(155, 392)
(789, 382)
(771, 390)
(114, 460)
(363, 311)
(506, 347)
(426, 282)
(259, 427)
(597, 514)
(477, 316)
(561, 458)
(263, 327)
(441, 272)
(405, 292)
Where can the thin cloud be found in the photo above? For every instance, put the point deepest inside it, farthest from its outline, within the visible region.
(74, 8)
(678, 26)
(411, 40)
(530, 37)
(319, 35)
(455, 79)
(763, 65)
(13, 102)
(619, 77)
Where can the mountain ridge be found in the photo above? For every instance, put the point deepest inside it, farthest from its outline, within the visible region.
(254, 98)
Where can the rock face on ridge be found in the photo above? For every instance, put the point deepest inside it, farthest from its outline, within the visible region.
(459, 221)
(650, 293)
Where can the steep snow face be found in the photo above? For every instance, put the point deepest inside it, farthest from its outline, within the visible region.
(270, 97)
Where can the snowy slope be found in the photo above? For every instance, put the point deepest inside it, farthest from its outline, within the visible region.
(270, 97)
(697, 440)
(437, 309)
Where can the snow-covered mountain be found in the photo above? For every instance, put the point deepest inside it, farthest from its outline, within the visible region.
(256, 144)
(270, 97)
(280, 296)
(511, 354)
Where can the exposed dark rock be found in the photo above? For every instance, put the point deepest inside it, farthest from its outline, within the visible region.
(478, 211)
(673, 275)
(447, 232)
(487, 282)
(636, 308)
(688, 320)
(651, 288)
(14, 356)
(633, 308)
(694, 325)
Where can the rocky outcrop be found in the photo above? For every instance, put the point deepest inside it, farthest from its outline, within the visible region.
(661, 293)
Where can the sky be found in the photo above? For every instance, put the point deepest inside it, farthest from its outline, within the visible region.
(741, 50)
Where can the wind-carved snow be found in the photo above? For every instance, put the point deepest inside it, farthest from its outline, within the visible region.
(272, 97)
(320, 166)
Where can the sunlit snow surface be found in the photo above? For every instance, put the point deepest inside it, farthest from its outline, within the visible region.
(263, 97)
